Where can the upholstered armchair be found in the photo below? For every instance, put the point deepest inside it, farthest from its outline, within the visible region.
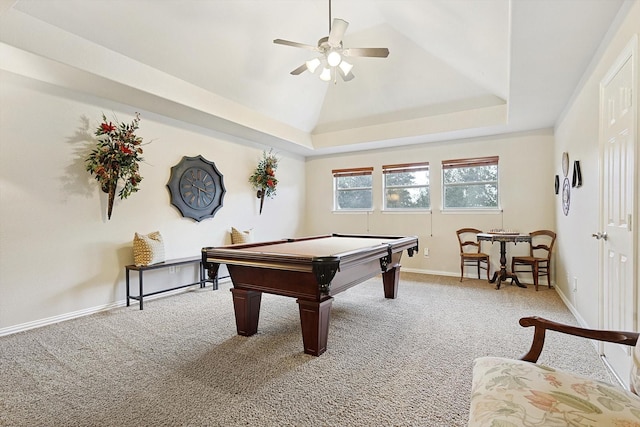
(507, 392)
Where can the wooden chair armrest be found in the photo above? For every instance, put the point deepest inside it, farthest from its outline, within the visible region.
(541, 325)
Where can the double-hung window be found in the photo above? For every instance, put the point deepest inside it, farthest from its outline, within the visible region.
(353, 189)
(406, 186)
(470, 183)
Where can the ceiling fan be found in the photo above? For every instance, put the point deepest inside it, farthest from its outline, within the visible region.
(332, 53)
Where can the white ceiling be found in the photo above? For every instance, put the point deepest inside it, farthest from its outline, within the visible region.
(456, 69)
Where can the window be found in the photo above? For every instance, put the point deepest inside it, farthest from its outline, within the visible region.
(352, 189)
(406, 186)
(470, 183)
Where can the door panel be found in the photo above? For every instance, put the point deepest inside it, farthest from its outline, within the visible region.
(618, 184)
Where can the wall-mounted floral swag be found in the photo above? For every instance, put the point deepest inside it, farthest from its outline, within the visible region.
(116, 158)
(264, 178)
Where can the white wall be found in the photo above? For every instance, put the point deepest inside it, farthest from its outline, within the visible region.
(58, 253)
(578, 134)
(526, 190)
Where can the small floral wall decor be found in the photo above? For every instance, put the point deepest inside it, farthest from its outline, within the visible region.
(263, 179)
(116, 157)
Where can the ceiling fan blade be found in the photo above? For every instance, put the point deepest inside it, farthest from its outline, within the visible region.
(338, 29)
(301, 69)
(373, 52)
(295, 44)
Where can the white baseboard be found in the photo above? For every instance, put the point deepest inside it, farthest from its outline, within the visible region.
(92, 310)
(421, 271)
(60, 318)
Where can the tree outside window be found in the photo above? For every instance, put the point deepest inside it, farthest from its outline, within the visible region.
(406, 186)
(470, 183)
(353, 189)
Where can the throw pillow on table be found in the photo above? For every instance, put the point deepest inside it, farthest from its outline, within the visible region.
(148, 248)
(238, 236)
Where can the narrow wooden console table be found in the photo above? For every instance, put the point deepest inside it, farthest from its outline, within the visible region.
(169, 263)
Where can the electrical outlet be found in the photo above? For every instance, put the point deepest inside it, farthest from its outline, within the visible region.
(426, 252)
(172, 269)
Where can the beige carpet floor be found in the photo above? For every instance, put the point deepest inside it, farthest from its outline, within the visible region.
(179, 362)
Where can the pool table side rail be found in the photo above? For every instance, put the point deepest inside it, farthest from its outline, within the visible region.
(231, 255)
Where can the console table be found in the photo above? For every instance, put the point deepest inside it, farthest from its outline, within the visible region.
(169, 263)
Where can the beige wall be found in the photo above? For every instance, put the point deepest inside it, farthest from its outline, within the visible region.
(59, 256)
(526, 196)
(578, 134)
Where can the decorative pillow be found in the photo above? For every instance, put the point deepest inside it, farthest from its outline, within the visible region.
(238, 236)
(148, 249)
(506, 392)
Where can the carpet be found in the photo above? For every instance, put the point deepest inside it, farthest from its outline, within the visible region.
(179, 362)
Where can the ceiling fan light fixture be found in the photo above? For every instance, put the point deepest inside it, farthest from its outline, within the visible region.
(313, 64)
(345, 67)
(325, 75)
(332, 52)
(334, 58)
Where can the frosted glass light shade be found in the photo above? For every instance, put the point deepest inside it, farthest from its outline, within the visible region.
(313, 64)
(325, 75)
(346, 67)
(334, 58)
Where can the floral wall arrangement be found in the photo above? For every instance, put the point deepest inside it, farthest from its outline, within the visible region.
(116, 158)
(264, 178)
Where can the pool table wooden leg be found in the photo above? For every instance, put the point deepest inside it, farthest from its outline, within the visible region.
(247, 307)
(390, 279)
(314, 320)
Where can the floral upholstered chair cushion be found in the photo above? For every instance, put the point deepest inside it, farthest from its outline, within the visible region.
(635, 369)
(509, 393)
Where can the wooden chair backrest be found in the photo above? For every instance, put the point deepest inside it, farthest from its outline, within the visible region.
(468, 246)
(542, 240)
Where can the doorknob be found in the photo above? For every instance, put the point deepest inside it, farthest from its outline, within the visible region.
(600, 235)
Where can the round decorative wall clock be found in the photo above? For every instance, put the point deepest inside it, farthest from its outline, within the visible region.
(566, 196)
(196, 188)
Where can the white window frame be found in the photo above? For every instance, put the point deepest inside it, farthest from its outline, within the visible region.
(469, 163)
(402, 168)
(339, 173)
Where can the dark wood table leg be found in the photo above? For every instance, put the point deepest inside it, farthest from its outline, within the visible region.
(390, 279)
(247, 307)
(140, 292)
(127, 281)
(314, 320)
(514, 278)
(495, 277)
(503, 275)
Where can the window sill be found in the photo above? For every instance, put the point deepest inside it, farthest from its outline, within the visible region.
(351, 211)
(407, 211)
(474, 211)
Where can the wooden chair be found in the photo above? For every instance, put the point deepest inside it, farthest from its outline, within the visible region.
(541, 325)
(470, 254)
(542, 242)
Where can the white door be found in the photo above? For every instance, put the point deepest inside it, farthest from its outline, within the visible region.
(618, 116)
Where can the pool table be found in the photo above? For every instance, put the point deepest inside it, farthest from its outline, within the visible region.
(311, 269)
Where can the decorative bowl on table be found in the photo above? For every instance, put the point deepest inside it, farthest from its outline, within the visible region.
(504, 232)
